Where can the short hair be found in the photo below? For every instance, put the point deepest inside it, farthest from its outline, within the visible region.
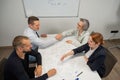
(31, 19)
(85, 24)
(17, 41)
(97, 37)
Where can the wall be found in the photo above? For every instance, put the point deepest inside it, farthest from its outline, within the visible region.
(104, 16)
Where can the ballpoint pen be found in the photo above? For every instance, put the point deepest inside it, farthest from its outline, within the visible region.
(79, 74)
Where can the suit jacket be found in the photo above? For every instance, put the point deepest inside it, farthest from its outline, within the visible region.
(96, 60)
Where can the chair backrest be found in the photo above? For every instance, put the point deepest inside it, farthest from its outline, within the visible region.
(2, 63)
(110, 61)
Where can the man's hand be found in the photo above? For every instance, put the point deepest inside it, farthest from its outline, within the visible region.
(38, 71)
(51, 72)
(58, 36)
(43, 35)
(69, 41)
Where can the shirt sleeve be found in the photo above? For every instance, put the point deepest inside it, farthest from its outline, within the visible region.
(81, 49)
(38, 41)
(43, 43)
(43, 77)
(68, 32)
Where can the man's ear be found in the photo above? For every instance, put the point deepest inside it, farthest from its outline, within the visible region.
(30, 25)
(20, 49)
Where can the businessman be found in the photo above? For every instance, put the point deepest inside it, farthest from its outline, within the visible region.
(16, 67)
(31, 32)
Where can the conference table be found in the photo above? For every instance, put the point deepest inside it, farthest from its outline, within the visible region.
(71, 68)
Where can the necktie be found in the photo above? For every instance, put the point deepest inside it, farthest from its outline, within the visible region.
(37, 34)
(36, 49)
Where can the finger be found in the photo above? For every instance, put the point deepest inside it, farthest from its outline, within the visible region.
(62, 58)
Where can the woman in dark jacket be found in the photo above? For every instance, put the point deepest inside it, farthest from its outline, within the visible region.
(94, 53)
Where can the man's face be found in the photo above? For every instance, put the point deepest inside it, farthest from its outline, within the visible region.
(80, 25)
(26, 45)
(35, 26)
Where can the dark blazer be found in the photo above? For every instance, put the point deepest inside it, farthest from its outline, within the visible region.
(96, 60)
(15, 69)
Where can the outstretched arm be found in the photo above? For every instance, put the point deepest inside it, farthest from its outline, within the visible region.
(67, 54)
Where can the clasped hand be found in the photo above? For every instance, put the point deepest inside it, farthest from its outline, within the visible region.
(58, 36)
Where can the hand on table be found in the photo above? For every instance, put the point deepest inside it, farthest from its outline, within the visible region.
(62, 58)
(43, 35)
(51, 72)
(38, 71)
(69, 41)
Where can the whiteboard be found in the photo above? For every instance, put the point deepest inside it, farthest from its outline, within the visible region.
(51, 8)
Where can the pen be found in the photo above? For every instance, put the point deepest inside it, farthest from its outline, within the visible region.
(79, 74)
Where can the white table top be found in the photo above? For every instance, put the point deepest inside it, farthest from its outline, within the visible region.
(70, 67)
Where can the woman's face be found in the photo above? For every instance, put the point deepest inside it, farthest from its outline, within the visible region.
(92, 44)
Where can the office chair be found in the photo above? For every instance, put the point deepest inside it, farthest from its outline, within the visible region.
(110, 62)
(2, 63)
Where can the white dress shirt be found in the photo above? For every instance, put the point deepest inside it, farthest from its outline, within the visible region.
(37, 41)
(80, 39)
(89, 53)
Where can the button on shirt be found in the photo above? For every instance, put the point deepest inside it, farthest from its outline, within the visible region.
(36, 41)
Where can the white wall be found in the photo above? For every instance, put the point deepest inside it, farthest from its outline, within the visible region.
(104, 16)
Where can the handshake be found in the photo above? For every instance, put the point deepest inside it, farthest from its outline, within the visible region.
(58, 36)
